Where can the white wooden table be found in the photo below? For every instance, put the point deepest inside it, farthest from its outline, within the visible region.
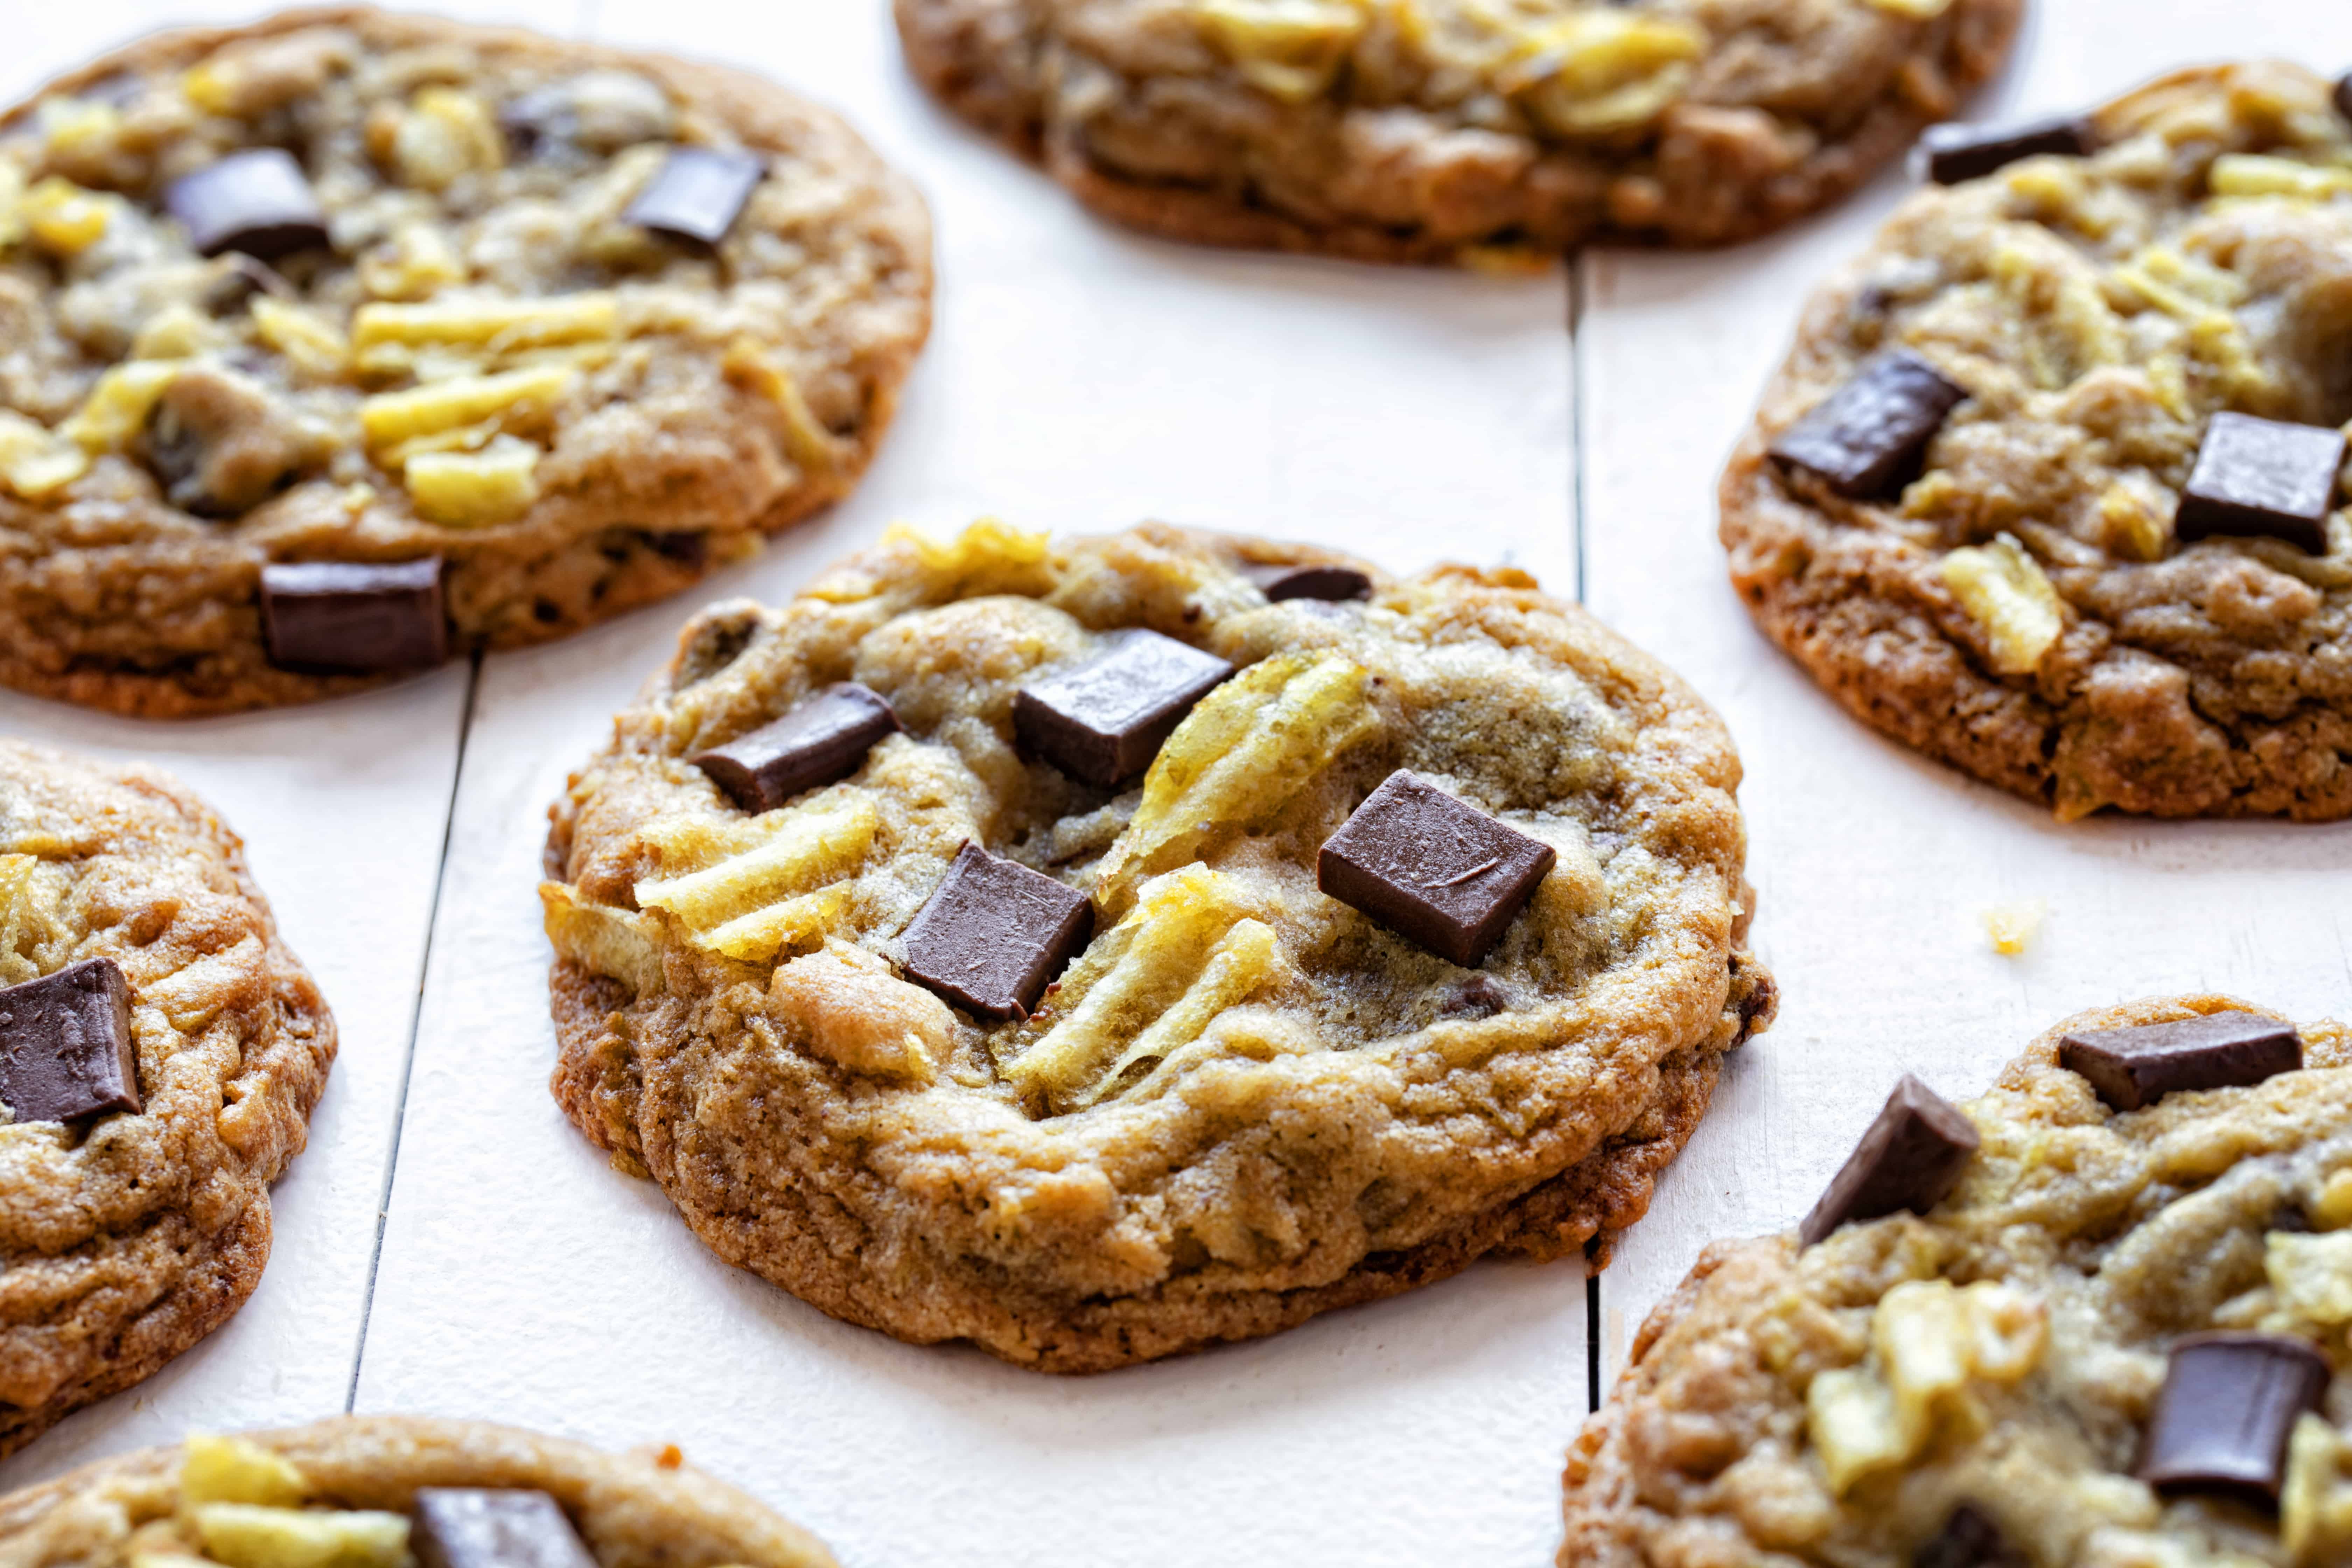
(449, 1244)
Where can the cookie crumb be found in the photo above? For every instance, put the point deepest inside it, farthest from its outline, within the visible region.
(2013, 927)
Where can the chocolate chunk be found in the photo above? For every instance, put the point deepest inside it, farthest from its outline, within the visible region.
(335, 616)
(1104, 719)
(1911, 1158)
(1476, 996)
(2344, 95)
(256, 202)
(1308, 580)
(65, 1044)
(821, 739)
(993, 933)
(1969, 1539)
(2227, 1411)
(540, 119)
(1952, 153)
(2137, 1067)
(1432, 868)
(696, 195)
(2261, 476)
(465, 1527)
(1864, 439)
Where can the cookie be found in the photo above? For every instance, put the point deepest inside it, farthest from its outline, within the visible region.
(1087, 1003)
(160, 1054)
(2048, 487)
(1470, 130)
(2106, 1337)
(344, 343)
(381, 1491)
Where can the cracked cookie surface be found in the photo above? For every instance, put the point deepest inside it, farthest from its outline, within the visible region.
(2023, 608)
(126, 1238)
(1998, 1359)
(1244, 1102)
(487, 363)
(1440, 130)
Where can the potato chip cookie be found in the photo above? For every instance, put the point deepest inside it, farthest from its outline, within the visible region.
(1097, 948)
(2049, 487)
(2099, 1317)
(1471, 131)
(160, 1054)
(345, 341)
(394, 1492)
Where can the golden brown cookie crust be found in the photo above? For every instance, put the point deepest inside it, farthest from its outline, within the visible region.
(123, 1243)
(2120, 1231)
(633, 1510)
(2204, 680)
(716, 418)
(1332, 1136)
(1134, 107)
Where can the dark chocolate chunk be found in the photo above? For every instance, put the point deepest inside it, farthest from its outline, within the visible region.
(1969, 1539)
(1432, 868)
(1104, 719)
(467, 1527)
(256, 202)
(336, 616)
(1308, 580)
(2261, 476)
(1952, 153)
(65, 1049)
(822, 739)
(1476, 996)
(2137, 1067)
(539, 119)
(696, 195)
(1911, 1158)
(2344, 95)
(1865, 438)
(994, 934)
(2227, 1408)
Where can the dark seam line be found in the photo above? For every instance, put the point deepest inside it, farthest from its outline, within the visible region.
(415, 1019)
(1576, 290)
(1592, 1342)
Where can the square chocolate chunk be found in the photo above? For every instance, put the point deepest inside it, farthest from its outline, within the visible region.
(1911, 1158)
(1864, 439)
(1952, 153)
(994, 934)
(351, 618)
(468, 1527)
(259, 202)
(1433, 868)
(1102, 719)
(65, 1049)
(820, 741)
(2135, 1067)
(2227, 1408)
(1308, 580)
(696, 194)
(2261, 476)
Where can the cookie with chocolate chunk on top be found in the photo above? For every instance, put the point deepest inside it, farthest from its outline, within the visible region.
(356, 295)
(1153, 896)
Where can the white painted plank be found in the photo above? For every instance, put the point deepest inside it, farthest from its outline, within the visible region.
(1872, 863)
(1079, 379)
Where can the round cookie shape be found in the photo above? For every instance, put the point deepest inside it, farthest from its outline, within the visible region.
(960, 1047)
(127, 1235)
(1483, 132)
(346, 341)
(2048, 487)
(627, 1510)
(2041, 1365)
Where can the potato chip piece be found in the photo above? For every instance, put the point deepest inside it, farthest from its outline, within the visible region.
(759, 885)
(2005, 592)
(602, 940)
(236, 1469)
(250, 1535)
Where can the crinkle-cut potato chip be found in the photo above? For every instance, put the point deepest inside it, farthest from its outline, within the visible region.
(1997, 1360)
(1242, 1101)
(127, 1236)
(338, 1494)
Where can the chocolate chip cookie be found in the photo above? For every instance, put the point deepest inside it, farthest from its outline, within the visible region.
(344, 341)
(2100, 1316)
(2049, 485)
(1096, 948)
(160, 1054)
(389, 1492)
(1455, 129)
